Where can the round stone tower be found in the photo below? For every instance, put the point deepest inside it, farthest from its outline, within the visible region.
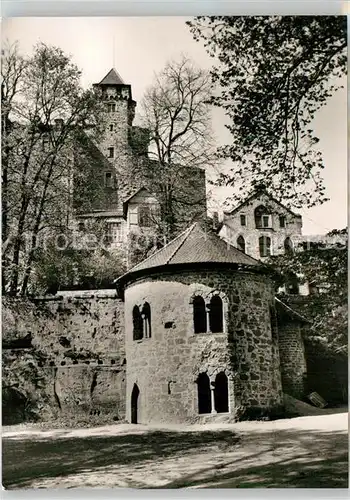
(201, 333)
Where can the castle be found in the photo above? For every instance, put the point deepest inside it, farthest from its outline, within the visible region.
(193, 333)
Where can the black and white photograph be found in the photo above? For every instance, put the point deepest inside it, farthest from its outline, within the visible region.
(174, 252)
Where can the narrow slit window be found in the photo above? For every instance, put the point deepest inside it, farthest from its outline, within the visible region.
(146, 317)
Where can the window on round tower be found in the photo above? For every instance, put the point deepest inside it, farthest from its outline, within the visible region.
(199, 315)
(137, 323)
(216, 314)
(146, 318)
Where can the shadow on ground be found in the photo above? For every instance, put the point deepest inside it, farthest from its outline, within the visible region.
(285, 458)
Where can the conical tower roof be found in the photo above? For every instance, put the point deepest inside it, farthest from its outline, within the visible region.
(196, 245)
(112, 78)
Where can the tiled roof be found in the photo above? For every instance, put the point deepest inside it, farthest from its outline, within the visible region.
(112, 78)
(196, 245)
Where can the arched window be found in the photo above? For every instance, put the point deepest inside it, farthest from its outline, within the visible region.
(216, 314)
(204, 394)
(146, 317)
(262, 217)
(134, 404)
(221, 393)
(137, 323)
(241, 244)
(264, 246)
(288, 245)
(199, 315)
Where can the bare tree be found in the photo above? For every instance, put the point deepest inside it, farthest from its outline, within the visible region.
(176, 113)
(45, 107)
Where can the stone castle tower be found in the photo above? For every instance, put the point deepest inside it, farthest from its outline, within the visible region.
(118, 188)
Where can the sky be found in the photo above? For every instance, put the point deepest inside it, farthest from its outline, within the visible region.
(139, 47)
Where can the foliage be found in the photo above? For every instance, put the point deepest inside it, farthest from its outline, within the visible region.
(43, 109)
(175, 111)
(324, 266)
(274, 74)
(70, 267)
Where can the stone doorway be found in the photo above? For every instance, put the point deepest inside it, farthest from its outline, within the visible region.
(134, 403)
(204, 394)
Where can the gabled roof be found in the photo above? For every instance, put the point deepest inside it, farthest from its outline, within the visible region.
(196, 245)
(112, 78)
(255, 194)
(129, 198)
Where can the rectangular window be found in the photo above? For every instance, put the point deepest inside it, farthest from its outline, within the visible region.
(110, 107)
(114, 232)
(111, 152)
(282, 221)
(111, 127)
(243, 220)
(133, 219)
(265, 221)
(108, 179)
(81, 226)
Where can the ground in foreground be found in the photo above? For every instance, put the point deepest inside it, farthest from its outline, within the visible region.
(292, 453)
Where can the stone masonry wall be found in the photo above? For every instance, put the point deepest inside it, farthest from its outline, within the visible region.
(81, 341)
(292, 356)
(165, 367)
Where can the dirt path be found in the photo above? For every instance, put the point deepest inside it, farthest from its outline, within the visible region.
(299, 452)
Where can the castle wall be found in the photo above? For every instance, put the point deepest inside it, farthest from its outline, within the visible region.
(174, 356)
(292, 356)
(78, 348)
